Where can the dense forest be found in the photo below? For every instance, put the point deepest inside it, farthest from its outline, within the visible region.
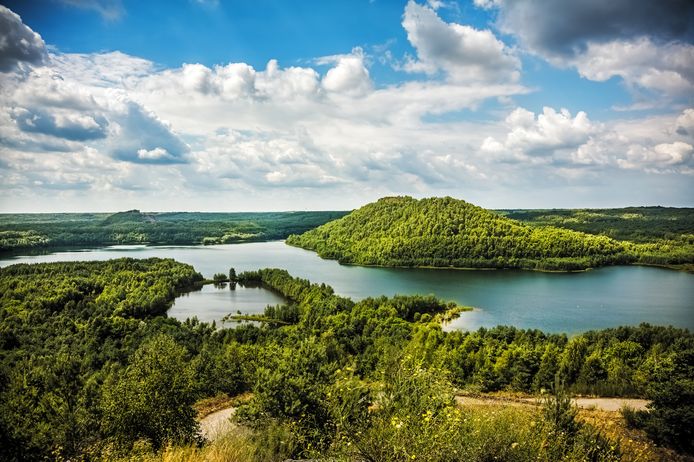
(635, 224)
(92, 369)
(24, 231)
(445, 232)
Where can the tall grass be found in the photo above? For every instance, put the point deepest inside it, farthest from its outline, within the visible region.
(237, 445)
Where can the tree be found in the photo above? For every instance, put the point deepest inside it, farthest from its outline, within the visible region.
(671, 417)
(219, 277)
(152, 399)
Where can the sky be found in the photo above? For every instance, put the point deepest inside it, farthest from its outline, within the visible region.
(207, 105)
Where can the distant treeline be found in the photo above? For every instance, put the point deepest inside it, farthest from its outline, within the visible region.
(445, 232)
(92, 369)
(635, 224)
(24, 231)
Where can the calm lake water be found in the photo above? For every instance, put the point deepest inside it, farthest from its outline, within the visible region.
(553, 302)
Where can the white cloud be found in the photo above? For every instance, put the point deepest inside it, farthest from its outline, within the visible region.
(110, 10)
(569, 142)
(155, 155)
(647, 44)
(46, 109)
(349, 76)
(685, 123)
(641, 63)
(232, 81)
(140, 135)
(196, 77)
(661, 157)
(549, 134)
(110, 122)
(288, 83)
(463, 53)
(101, 70)
(235, 80)
(62, 124)
(673, 153)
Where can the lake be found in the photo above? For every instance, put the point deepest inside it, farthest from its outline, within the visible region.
(552, 302)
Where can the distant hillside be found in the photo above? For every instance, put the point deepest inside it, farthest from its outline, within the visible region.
(445, 232)
(635, 224)
(130, 216)
(25, 231)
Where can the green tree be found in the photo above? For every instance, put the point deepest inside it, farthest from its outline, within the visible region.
(219, 277)
(152, 399)
(671, 417)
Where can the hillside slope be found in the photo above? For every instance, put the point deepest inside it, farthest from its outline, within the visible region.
(23, 231)
(446, 232)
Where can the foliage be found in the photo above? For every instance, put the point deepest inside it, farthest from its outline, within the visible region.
(219, 277)
(445, 232)
(23, 231)
(670, 418)
(65, 329)
(91, 368)
(655, 235)
(152, 399)
(635, 224)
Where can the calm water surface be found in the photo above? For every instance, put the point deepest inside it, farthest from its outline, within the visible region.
(556, 302)
(212, 303)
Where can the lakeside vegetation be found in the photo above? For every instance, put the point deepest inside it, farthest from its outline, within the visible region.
(635, 224)
(445, 232)
(396, 231)
(26, 231)
(92, 369)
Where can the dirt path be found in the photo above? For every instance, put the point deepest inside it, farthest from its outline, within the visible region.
(603, 404)
(611, 404)
(217, 423)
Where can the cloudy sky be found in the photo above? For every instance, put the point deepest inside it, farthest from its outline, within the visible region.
(286, 105)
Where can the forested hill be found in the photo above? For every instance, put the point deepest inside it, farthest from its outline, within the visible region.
(43, 230)
(446, 232)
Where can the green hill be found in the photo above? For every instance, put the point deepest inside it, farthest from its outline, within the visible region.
(446, 232)
(130, 216)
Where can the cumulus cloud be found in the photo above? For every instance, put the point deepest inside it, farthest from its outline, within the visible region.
(46, 111)
(349, 75)
(141, 137)
(288, 83)
(550, 133)
(71, 126)
(120, 124)
(647, 44)
(234, 81)
(560, 139)
(685, 123)
(667, 68)
(18, 43)
(462, 52)
(565, 28)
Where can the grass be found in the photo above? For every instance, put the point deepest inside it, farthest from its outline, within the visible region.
(487, 432)
(207, 406)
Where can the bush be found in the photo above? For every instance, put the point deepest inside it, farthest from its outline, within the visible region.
(219, 277)
(152, 399)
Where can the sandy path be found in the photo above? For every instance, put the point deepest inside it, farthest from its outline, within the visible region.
(611, 404)
(217, 423)
(604, 404)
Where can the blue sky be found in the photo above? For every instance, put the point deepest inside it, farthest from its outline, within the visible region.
(322, 105)
(294, 33)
